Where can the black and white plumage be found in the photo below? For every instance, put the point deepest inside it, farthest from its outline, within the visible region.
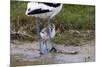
(43, 10)
(46, 11)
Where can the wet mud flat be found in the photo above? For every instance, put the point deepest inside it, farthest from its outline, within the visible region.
(27, 53)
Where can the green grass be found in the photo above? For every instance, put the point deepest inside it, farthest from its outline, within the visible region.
(71, 17)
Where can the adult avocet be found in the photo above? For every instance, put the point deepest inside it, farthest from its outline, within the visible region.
(43, 10)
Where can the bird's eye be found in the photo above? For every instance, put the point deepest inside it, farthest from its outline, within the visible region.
(29, 9)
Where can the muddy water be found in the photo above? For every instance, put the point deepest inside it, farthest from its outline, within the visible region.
(27, 53)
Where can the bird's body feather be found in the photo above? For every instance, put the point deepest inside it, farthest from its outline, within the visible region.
(43, 10)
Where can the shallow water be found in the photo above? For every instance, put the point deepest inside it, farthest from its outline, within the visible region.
(28, 54)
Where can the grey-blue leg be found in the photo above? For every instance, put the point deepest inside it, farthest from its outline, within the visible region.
(42, 44)
(46, 45)
(44, 48)
(38, 32)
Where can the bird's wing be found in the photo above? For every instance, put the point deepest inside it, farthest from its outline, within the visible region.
(37, 8)
(37, 5)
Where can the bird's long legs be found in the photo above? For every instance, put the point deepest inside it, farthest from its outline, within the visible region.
(38, 30)
(45, 46)
(42, 43)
